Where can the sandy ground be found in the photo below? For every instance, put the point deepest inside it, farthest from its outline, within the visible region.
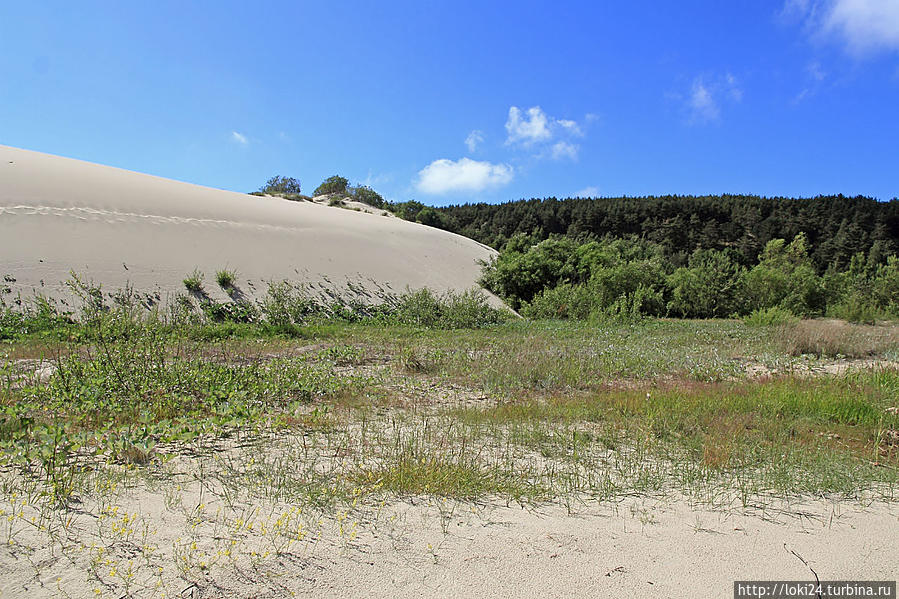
(636, 549)
(425, 548)
(118, 227)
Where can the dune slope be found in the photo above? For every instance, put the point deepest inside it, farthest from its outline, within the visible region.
(116, 227)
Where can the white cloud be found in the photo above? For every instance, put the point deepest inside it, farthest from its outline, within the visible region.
(814, 78)
(241, 139)
(534, 127)
(571, 127)
(474, 139)
(703, 107)
(372, 180)
(563, 149)
(864, 26)
(708, 95)
(733, 87)
(529, 130)
(816, 72)
(445, 176)
(591, 191)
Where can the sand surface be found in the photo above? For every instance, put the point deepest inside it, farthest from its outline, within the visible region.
(425, 548)
(117, 227)
(636, 549)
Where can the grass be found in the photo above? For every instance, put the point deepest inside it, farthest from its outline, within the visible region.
(138, 387)
(834, 338)
(263, 437)
(226, 279)
(194, 282)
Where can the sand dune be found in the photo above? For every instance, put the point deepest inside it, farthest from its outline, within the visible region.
(117, 227)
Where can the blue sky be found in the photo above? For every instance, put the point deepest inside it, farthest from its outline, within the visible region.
(450, 102)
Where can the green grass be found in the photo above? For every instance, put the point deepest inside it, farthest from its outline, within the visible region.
(226, 279)
(260, 436)
(566, 409)
(194, 282)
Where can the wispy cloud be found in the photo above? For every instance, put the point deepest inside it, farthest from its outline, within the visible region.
(591, 191)
(863, 26)
(703, 107)
(571, 127)
(814, 77)
(564, 149)
(474, 139)
(372, 180)
(464, 175)
(707, 94)
(239, 138)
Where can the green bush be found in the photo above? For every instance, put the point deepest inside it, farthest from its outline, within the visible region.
(333, 184)
(467, 310)
(408, 210)
(565, 301)
(855, 308)
(369, 196)
(770, 317)
(707, 287)
(785, 278)
(630, 287)
(279, 185)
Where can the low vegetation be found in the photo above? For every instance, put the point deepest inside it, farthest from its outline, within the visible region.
(227, 279)
(279, 185)
(622, 278)
(153, 452)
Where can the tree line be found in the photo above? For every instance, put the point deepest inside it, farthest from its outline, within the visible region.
(631, 277)
(836, 228)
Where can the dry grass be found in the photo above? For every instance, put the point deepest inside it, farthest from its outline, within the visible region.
(837, 338)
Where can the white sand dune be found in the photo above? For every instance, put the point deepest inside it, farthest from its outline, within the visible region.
(116, 227)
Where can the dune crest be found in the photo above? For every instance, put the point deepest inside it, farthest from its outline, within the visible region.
(116, 228)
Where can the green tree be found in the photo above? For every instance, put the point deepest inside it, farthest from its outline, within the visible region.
(369, 196)
(707, 287)
(785, 278)
(279, 185)
(333, 184)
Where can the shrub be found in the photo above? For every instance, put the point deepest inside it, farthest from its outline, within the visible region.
(285, 304)
(408, 210)
(857, 309)
(278, 185)
(369, 196)
(334, 184)
(784, 277)
(520, 273)
(632, 287)
(707, 287)
(770, 317)
(467, 310)
(230, 311)
(565, 301)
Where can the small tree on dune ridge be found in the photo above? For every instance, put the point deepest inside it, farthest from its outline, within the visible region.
(281, 185)
(335, 184)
